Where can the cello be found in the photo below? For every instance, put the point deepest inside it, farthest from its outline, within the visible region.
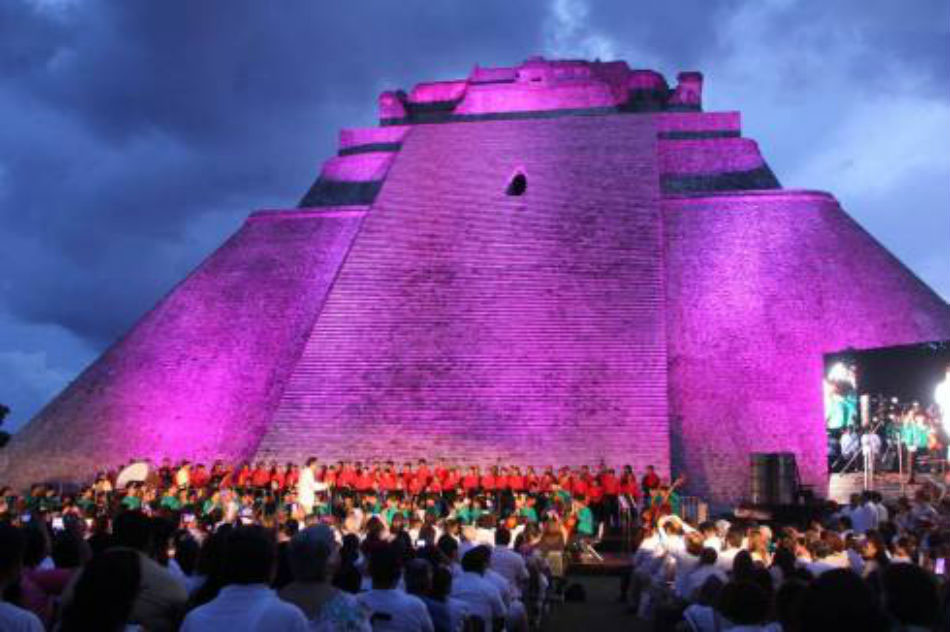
(659, 502)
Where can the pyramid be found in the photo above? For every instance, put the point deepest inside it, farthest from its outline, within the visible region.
(562, 262)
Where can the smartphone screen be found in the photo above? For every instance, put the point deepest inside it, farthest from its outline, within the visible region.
(940, 566)
(58, 524)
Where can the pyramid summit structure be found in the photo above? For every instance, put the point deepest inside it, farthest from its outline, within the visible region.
(562, 262)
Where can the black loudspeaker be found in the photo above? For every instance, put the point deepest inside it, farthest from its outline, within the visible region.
(773, 478)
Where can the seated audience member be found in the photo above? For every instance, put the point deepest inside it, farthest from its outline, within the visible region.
(441, 591)
(40, 583)
(418, 580)
(743, 604)
(839, 600)
(731, 548)
(480, 595)
(391, 609)
(160, 602)
(698, 577)
(911, 597)
(12, 546)
(508, 563)
(312, 554)
(105, 593)
(246, 603)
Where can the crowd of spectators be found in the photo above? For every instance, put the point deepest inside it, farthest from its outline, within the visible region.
(186, 547)
(868, 566)
(345, 546)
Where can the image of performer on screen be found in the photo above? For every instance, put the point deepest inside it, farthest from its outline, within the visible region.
(942, 402)
(841, 397)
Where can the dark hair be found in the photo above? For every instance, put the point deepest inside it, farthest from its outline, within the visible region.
(418, 577)
(840, 600)
(708, 556)
(384, 566)
(476, 559)
(448, 546)
(348, 578)
(104, 593)
(132, 529)
(742, 566)
(910, 595)
(187, 551)
(784, 559)
(37, 544)
(441, 583)
(788, 602)
(12, 545)
(68, 549)
(502, 537)
(250, 556)
(744, 603)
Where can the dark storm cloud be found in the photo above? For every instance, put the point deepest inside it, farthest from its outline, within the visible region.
(136, 135)
(132, 119)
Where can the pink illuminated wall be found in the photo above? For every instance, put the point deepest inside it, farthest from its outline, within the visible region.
(759, 287)
(200, 374)
(477, 326)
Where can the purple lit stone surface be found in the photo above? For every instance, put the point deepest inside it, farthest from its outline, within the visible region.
(200, 374)
(591, 318)
(759, 287)
(477, 326)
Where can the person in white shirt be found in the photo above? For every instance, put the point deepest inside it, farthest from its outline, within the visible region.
(12, 546)
(308, 486)
(246, 603)
(731, 548)
(391, 609)
(694, 581)
(865, 516)
(508, 563)
(479, 594)
(161, 598)
(820, 552)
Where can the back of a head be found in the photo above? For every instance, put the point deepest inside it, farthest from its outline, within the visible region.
(476, 559)
(250, 556)
(734, 537)
(132, 529)
(105, 592)
(418, 577)
(502, 537)
(69, 549)
(441, 582)
(742, 565)
(788, 602)
(708, 556)
(744, 603)
(384, 567)
(12, 546)
(448, 546)
(910, 595)
(37, 544)
(840, 600)
(309, 553)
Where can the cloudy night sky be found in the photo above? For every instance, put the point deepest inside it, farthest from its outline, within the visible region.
(136, 136)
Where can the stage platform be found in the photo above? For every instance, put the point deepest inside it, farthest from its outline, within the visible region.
(841, 486)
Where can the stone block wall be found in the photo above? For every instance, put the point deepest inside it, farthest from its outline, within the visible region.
(760, 287)
(199, 375)
(478, 326)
